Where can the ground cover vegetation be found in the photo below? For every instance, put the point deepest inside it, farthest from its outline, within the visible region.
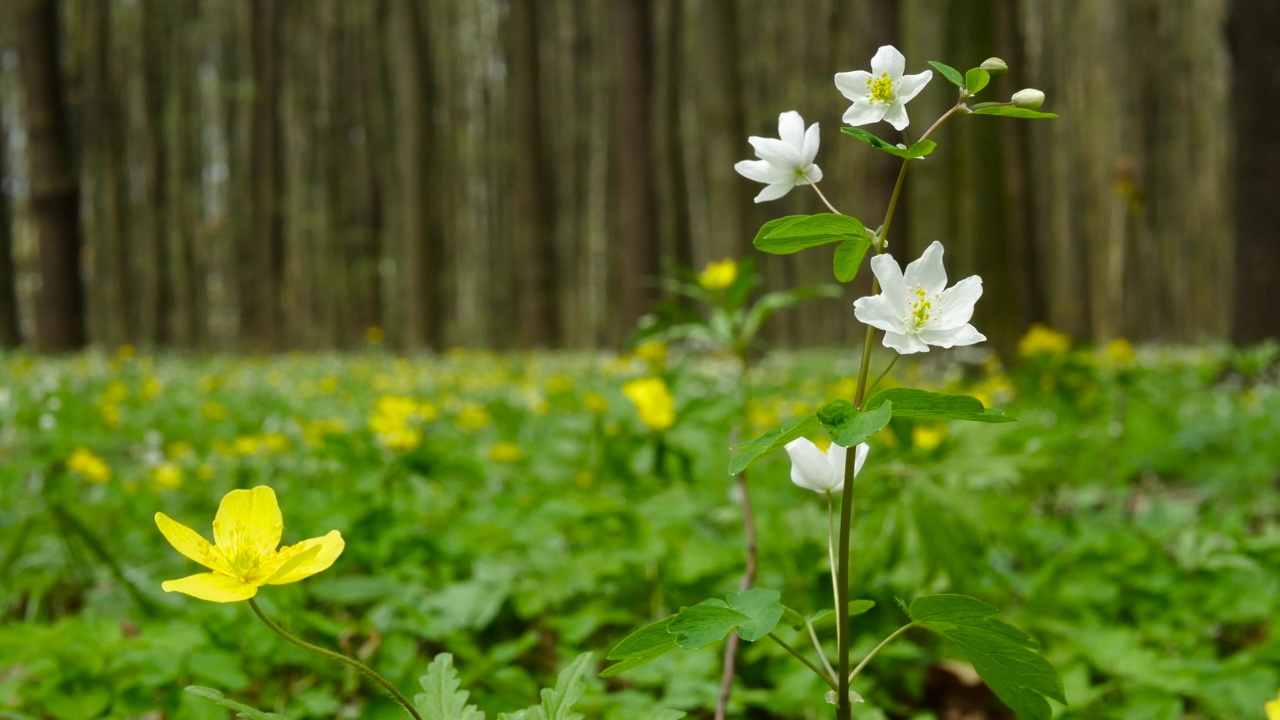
(515, 512)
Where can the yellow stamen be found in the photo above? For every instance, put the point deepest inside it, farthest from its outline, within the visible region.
(881, 88)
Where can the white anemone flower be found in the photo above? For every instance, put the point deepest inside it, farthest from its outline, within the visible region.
(917, 309)
(783, 163)
(822, 472)
(883, 93)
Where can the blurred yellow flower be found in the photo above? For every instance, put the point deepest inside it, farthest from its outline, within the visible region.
(1273, 708)
(654, 353)
(586, 478)
(214, 410)
(374, 335)
(719, 275)
(1043, 340)
(151, 387)
(1119, 351)
(275, 442)
(166, 476)
(595, 403)
(328, 384)
(472, 417)
(928, 437)
(763, 416)
(506, 452)
(246, 555)
(178, 450)
(84, 463)
(205, 472)
(654, 402)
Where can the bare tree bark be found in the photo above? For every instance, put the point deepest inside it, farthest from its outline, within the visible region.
(10, 329)
(262, 251)
(720, 112)
(55, 189)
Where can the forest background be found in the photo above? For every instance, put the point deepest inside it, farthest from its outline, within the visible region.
(263, 175)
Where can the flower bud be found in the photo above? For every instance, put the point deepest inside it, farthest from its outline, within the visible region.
(1030, 98)
(995, 67)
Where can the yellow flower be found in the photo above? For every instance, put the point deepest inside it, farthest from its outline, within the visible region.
(84, 463)
(245, 557)
(654, 353)
(166, 476)
(719, 275)
(205, 472)
(472, 417)
(506, 452)
(1043, 340)
(374, 335)
(1273, 709)
(653, 401)
(1120, 352)
(928, 437)
(595, 403)
(214, 410)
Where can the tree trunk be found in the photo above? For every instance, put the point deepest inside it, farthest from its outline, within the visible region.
(538, 312)
(55, 190)
(10, 330)
(728, 196)
(1253, 28)
(262, 251)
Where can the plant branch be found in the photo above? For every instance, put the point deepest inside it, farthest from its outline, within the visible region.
(822, 655)
(826, 202)
(884, 372)
(878, 648)
(748, 581)
(807, 662)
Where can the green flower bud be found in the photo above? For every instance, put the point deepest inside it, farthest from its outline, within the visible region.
(1030, 98)
(995, 67)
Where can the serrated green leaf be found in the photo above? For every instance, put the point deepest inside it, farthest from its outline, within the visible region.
(442, 700)
(976, 79)
(763, 607)
(798, 232)
(849, 256)
(916, 150)
(558, 702)
(752, 451)
(707, 622)
(912, 403)
(241, 710)
(848, 427)
(949, 73)
(1005, 657)
(1013, 112)
(644, 645)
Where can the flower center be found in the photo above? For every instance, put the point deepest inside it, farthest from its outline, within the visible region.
(880, 88)
(921, 307)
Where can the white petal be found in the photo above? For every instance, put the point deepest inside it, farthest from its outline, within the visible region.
(759, 171)
(911, 85)
(853, 85)
(809, 466)
(813, 172)
(791, 129)
(860, 457)
(809, 150)
(835, 458)
(896, 115)
(879, 312)
(927, 271)
(890, 276)
(955, 307)
(776, 153)
(863, 112)
(773, 191)
(904, 343)
(888, 60)
(963, 335)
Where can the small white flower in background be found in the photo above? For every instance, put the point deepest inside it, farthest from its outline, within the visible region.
(883, 93)
(917, 310)
(783, 163)
(819, 471)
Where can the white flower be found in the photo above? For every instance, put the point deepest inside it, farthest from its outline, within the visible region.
(883, 93)
(784, 163)
(1029, 98)
(819, 471)
(918, 310)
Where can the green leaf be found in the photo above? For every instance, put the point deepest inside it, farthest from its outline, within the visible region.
(558, 702)
(976, 79)
(849, 256)
(911, 403)
(848, 427)
(644, 645)
(796, 620)
(797, 232)
(752, 451)
(920, 149)
(442, 699)
(241, 710)
(1005, 657)
(949, 73)
(669, 715)
(764, 607)
(708, 621)
(1013, 112)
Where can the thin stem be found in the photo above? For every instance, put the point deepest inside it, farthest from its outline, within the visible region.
(339, 657)
(877, 649)
(813, 636)
(807, 662)
(826, 202)
(831, 545)
(902, 174)
(748, 581)
(884, 372)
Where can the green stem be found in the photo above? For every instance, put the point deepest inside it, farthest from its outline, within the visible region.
(338, 657)
(877, 649)
(884, 372)
(822, 655)
(807, 662)
(825, 201)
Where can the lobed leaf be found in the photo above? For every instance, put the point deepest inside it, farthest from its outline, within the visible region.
(241, 710)
(912, 403)
(798, 232)
(753, 451)
(763, 607)
(442, 699)
(848, 426)
(916, 150)
(707, 622)
(642, 646)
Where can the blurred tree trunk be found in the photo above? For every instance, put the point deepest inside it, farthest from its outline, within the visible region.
(637, 248)
(10, 329)
(262, 249)
(538, 307)
(720, 94)
(1254, 27)
(157, 84)
(366, 256)
(184, 163)
(673, 200)
(55, 190)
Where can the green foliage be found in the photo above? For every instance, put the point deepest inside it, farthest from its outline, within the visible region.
(848, 426)
(558, 702)
(1013, 112)
(949, 73)
(797, 621)
(442, 699)
(753, 451)
(752, 613)
(798, 232)
(915, 150)
(912, 403)
(848, 258)
(975, 80)
(241, 710)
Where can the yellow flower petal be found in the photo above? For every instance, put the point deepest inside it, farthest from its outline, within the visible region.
(248, 522)
(330, 545)
(288, 559)
(186, 541)
(212, 587)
